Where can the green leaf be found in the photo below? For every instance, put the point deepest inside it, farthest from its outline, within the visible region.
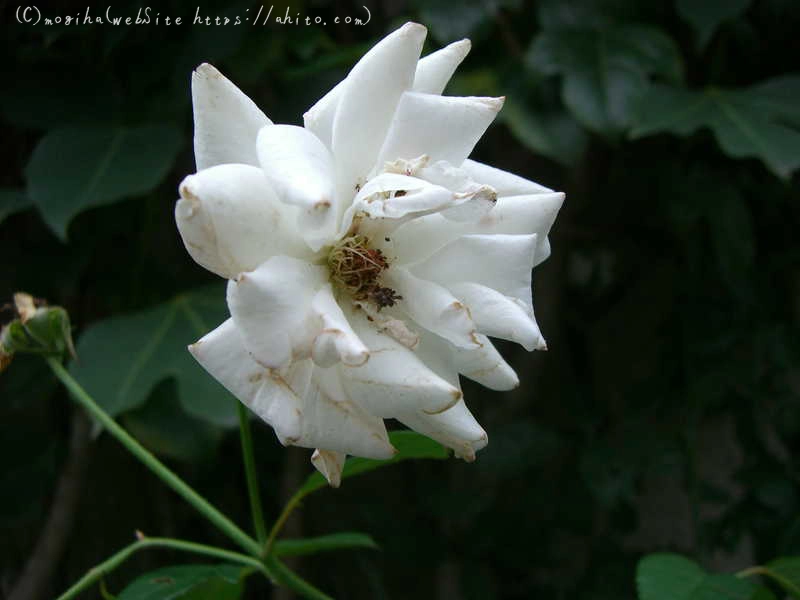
(761, 121)
(605, 70)
(187, 582)
(667, 577)
(121, 359)
(324, 543)
(706, 16)
(786, 571)
(553, 134)
(728, 587)
(76, 167)
(674, 577)
(12, 201)
(165, 428)
(409, 444)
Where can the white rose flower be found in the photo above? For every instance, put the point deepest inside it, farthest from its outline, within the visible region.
(368, 257)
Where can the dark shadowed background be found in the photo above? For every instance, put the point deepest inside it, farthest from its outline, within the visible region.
(665, 415)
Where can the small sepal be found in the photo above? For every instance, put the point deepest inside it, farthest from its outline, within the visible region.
(38, 329)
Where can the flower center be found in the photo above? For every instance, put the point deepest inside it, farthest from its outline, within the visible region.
(355, 269)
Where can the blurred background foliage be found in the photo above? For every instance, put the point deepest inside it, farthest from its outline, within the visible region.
(665, 415)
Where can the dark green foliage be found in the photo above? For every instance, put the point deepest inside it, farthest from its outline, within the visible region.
(665, 415)
(121, 359)
(81, 166)
(194, 582)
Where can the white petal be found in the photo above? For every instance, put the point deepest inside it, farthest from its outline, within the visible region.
(516, 215)
(394, 379)
(455, 428)
(331, 420)
(270, 306)
(319, 118)
(431, 76)
(502, 262)
(221, 352)
(368, 100)
(330, 465)
(439, 356)
(419, 238)
(300, 168)
(386, 322)
(388, 209)
(443, 127)
(336, 340)
(278, 404)
(506, 184)
(455, 179)
(307, 407)
(433, 307)
(498, 315)
(378, 198)
(436, 69)
(231, 221)
(486, 366)
(226, 121)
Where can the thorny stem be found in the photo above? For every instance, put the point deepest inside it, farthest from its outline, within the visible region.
(223, 523)
(104, 568)
(250, 472)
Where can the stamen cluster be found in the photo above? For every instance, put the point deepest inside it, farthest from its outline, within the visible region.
(356, 268)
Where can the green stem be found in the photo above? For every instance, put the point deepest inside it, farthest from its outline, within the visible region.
(294, 582)
(785, 582)
(287, 510)
(108, 565)
(250, 472)
(750, 571)
(223, 523)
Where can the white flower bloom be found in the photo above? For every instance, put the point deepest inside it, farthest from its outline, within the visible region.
(368, 257)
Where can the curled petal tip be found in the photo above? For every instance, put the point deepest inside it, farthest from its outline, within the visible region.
(460, 48)
(455, 397)
(185, 189)
(468, 455)
(356, 360)
(412, 28)
(206, 69)
(496, 103)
